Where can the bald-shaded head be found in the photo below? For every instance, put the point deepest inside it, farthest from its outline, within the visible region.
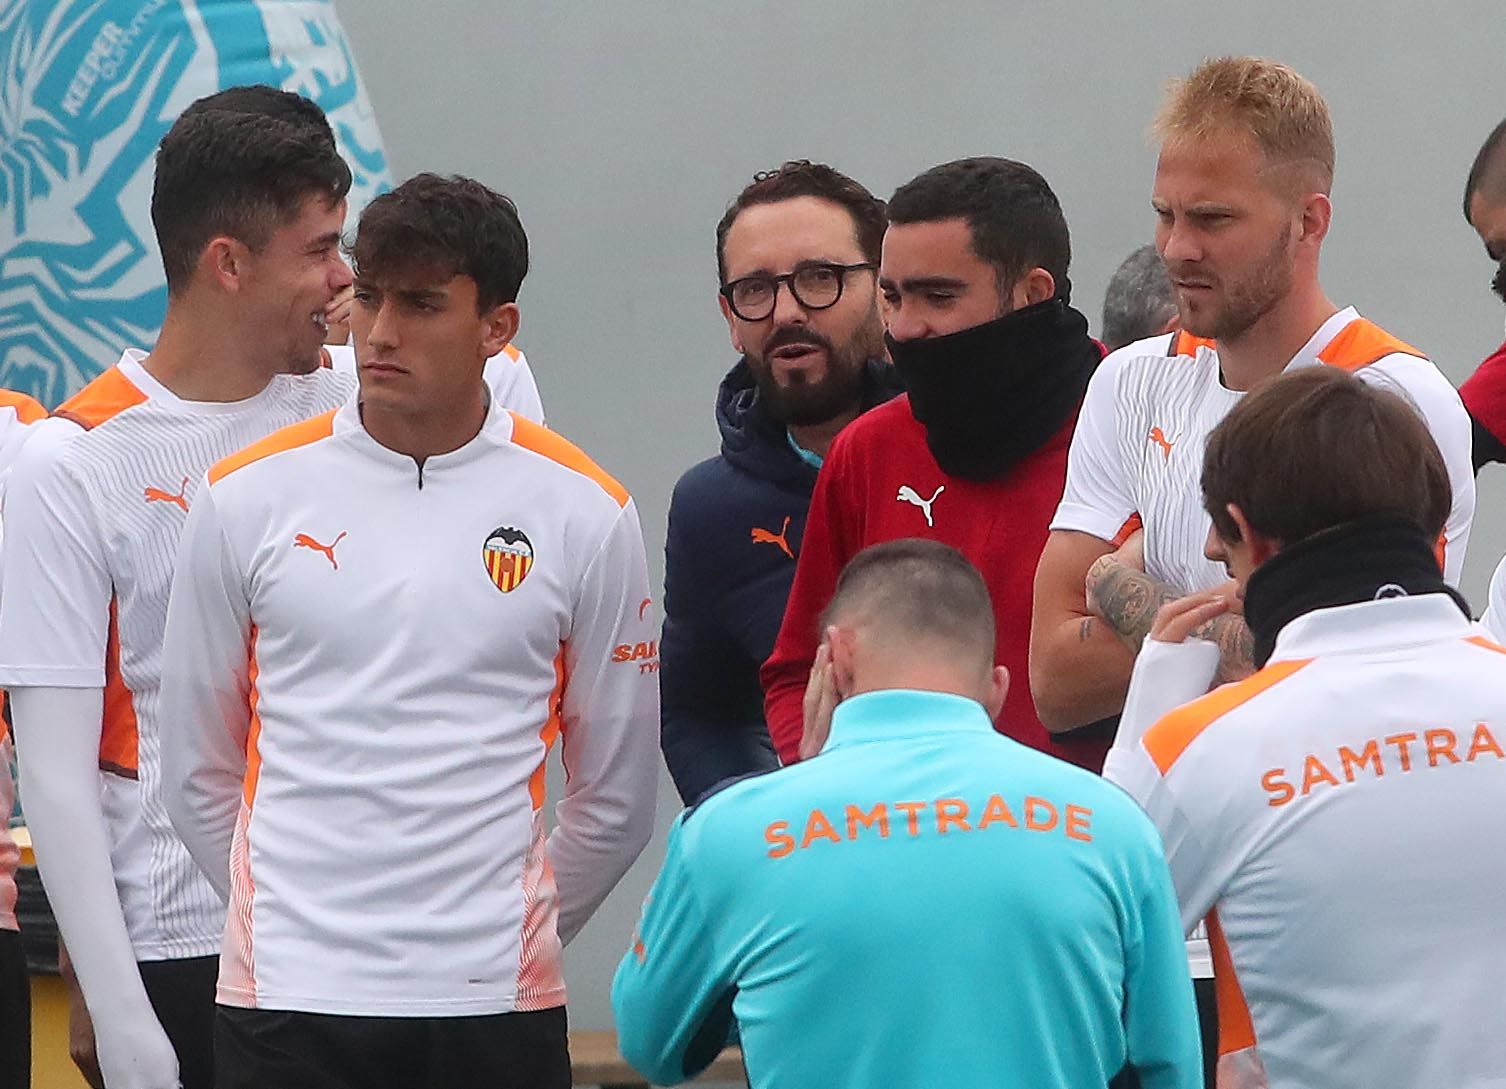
(1485, 200)
(914, 614)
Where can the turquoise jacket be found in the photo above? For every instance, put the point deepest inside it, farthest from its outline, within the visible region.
(926, 903)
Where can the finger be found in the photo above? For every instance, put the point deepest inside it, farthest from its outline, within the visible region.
(1177, 628)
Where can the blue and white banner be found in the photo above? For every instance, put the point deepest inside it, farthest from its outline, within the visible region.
(87, 90)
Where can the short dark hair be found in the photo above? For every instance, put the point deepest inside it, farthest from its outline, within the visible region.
(454, 226)
(236, 173)
(803, 178)
(1015, 219)
(917, 590)
(1319, 448)
(1488, 174)
(259, 98)
(1138, 301)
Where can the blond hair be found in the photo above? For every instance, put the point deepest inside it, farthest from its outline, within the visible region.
(1279, 109)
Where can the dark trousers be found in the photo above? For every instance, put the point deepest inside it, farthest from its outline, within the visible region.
(277, 1049)
(15, 1014)
(182, 997)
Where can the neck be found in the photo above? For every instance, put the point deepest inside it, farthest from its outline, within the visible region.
(817, 438)
(199, 358)
(1264, 350)
(422, 435)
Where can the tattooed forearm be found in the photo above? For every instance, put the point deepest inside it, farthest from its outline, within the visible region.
(1236, 647)
(1127, 599)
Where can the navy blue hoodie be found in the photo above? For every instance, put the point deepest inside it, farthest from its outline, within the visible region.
(735, 526)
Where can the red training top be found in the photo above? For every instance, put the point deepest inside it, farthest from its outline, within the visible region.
(880, 482)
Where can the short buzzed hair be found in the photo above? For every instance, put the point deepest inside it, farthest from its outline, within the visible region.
(1138, 301)
(1317, 449)
(1488, 174)
(1279, 109)
(917, 591)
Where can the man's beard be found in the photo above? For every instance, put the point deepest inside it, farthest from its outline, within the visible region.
(1251, 298)
(805, 403)
(1498, 285)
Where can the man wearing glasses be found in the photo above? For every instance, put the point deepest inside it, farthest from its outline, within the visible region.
(797, 254)
(974, 291)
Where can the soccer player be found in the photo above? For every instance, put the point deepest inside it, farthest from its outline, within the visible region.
(797, 254)
(1337, 816)
(17, 413)
(248, 209)
(1242, 209)
(384, 618)
(1484, 393)
(974, 292)
(862, 916)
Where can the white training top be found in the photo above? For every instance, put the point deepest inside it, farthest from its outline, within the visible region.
(369, 664)
(1150, 407)
(507, 375)
(1494, 620)
(1338, 819)
(17, 413)
(94, 509)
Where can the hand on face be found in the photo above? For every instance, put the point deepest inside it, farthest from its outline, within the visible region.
(337, 316)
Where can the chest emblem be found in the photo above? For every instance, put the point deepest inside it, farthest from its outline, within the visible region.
(908, 494)
(303, 540)
(764, 536)
(508, 555)
(157, 495)
(1158, 437)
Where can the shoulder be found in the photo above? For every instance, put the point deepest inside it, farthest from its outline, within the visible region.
(1171, 736)
(106, 398)
(21, 408)
(273, 449)
(887, 427)
(324, 387)
(563, 456)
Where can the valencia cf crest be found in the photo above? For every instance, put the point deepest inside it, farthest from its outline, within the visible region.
(508, 556)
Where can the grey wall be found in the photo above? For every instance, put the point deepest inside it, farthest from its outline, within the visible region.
(622, 129)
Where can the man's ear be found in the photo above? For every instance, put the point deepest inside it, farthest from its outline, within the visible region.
(1036, 286)
(501, 326)
(1261, 546)
(1317, 217)
(731, 318)
(224, 262)
(843, 644)
(998, 688)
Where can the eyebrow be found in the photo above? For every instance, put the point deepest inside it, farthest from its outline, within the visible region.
(418, 294)
(923, 283)
(811, 262)
(324, 241)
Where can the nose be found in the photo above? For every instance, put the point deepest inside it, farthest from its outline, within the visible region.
(383, 331)
(1213, 547)
(1176, 242)
(340, 276)
(787, 308)
(906, 324)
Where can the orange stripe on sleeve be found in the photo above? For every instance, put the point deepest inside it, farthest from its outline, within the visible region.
(1132, 524)
(549, 732)
(1236, 1028)
(27, 410)
(289, 438)
(108, 395)
(1361, 343)
(253, 736)
(560, 450)
(118, 735)
(1485, 644)
(1169, 737)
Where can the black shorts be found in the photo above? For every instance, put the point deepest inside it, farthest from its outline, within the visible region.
(278, 1049)
(15, 1013)
(182, 997)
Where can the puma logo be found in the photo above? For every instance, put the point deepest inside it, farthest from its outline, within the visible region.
(303, 540)
(1158, 437)
(763, 536)
(908, 494)
(157, 495)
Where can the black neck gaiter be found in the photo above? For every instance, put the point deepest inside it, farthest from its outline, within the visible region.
(991, 395)
(1362, 561)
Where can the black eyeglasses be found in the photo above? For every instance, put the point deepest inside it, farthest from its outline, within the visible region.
(814, 286)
